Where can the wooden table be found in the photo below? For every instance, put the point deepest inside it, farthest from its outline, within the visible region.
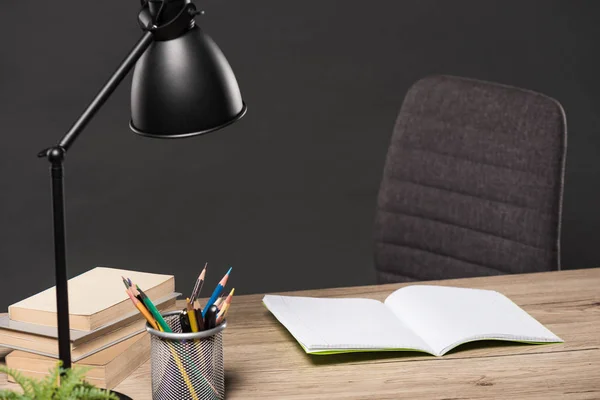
(263, 361)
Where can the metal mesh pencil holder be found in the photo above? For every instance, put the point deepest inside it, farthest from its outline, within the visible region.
(187, 365)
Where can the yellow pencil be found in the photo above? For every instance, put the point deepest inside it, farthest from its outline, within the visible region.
(227, 301)
(225, 307)
(192, 316)
(222, 314)
(184, 375)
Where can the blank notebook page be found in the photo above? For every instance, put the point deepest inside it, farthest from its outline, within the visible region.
(337, 324)
(445, 316)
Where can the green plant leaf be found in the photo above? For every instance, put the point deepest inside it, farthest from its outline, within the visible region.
(70, 386)
(25, 383)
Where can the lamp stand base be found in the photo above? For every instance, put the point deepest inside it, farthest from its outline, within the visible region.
(121, 396)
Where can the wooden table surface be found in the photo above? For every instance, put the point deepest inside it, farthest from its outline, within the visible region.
(263, 361)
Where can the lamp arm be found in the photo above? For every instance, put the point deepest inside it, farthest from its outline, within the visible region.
(108, 88)
(56, 156)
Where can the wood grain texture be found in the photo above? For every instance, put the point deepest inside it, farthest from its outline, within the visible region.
(263, 361)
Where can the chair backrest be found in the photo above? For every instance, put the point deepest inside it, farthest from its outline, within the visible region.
(472, 183)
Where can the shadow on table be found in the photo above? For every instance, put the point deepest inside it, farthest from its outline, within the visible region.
(466, 350)
(232, 381)
(488, 344)
(372, 356)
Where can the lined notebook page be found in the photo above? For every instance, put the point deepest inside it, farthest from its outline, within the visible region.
(342, 324)
(446, 316)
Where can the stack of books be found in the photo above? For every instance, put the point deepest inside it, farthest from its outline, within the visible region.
(108, 333)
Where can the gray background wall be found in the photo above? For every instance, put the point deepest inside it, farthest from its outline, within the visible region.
(286, 195)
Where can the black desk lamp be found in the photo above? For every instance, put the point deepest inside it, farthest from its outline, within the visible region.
(182, 86)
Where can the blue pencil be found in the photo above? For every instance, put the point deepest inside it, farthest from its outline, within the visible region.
(216, 293)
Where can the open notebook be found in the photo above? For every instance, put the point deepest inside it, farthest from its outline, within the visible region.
(431, 319)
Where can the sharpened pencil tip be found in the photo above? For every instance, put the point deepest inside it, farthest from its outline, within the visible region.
(202, 274)
(223, 281)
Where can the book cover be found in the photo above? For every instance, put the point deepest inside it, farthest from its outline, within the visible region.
(48, 346)
(96, 298)
(77, 337)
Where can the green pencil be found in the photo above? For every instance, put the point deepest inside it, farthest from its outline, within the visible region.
(154, 311)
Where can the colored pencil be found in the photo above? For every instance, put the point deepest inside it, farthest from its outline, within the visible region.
(146, 313)
(216, 293)
(153, 310)
(142, 310)
(185, 376)
(223, 310)
(222, 314)
(226, 304)
(199, 284)
(229, 297)
(133, 290)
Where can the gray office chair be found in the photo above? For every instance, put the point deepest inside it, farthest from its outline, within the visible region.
(472, 183)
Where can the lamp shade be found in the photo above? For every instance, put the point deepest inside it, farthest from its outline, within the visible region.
(184, 87)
